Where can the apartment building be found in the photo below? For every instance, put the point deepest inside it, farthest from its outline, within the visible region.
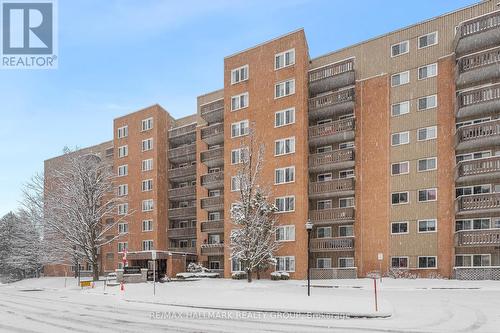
(390, 147)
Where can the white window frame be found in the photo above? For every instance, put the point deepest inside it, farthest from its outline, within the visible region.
(435, 260)
(406, 42)
(122, 208)
(245, 131)
(283, 54)
(147, 144)
(427, 159)
(283, 141)
(122, 228)
(427, 189)
(400, 84)
(427, 231)
(239, 96)
(288, 232)
(401, 233)
(429, 45)
(401, 257)
(285, 200)
(283, 84)
(427, 107)
(401, 203)
(346, 227)
(426, 130)
(239, 154)
(399, 134)
(146, 124)
(123, 167)
(146, 207)
(150, 245)
(401, 173)
(147, 165)
(239, 70)
(284, 170)
(235, 183)
(122, 246)
(122, 190)
(123, 151)
(346, 258)
(324, 259)
(406, 103)
(328, 234)
(283, 113)
(148, 223)
(428, 76)
(284, 258)
(349, 199)
(122, 132)
(149, 185)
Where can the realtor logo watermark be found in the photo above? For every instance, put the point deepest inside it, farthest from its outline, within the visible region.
(28, 34)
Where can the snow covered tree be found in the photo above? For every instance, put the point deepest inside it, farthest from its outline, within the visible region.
(253, 239)
(80, 207)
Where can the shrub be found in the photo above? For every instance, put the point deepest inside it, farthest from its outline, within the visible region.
(239, 275)
(398, 273)
(275, 276)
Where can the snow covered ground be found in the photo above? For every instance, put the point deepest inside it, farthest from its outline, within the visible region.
(218, 305)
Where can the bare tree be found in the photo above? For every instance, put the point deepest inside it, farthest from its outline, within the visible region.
(253, 240)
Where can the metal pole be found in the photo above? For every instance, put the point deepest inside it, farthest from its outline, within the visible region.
(154, 277)
(375, 288)
(308, 263)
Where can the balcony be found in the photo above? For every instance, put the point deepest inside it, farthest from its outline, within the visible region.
(213, 134)
(212, 249)
(191, 250)
(212, 204)
(213, 157)
(332, 244)
(479, 102)
(181, 233)
(333, 215)
(331, 188)
(213, 112)
(478, 68)
(182, 193)
(331, 77)
(212, 226)
(478, 33)
(182, 154)
(473, 171)
(334, 273)
(331, 104)
(336, 131)
(488, 237)
(330, 160)
(480, 135)
(213, 180)
(182, 212)
(478, 204)
(182, 174)
(182, 135)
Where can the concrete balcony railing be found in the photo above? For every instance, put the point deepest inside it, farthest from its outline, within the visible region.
(213, 203)
(191, 250)
(334, 273)
(182, 135)
(332, 244)
(212, 249)
(336, 131)
(478, 68)
(182, 154)
(213, 112)
(213, 134)
(478, 135)
(331, 77)
(332, 104)
(478, 203)
(479, 102)
(478, 33)
(213, 157)
(181, 233)
(335, 159)
(488, 237)
(333, 215)
(330, 188)
(182, 193)
(182, 212)
(478, 170)
(213, 180)
(212, 226)
(184, 173)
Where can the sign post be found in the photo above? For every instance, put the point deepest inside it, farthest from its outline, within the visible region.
(380, 257)
(153, 256)
(374, 276)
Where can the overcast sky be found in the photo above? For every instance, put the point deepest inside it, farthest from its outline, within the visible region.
(117, 56)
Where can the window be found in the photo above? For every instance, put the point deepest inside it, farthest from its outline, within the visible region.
(122, 151)
(235, 183)
(401, 138)
(428, 40)
(427, 164)
(427, 133)
(284, 88)
(399, 198)
(239, 129)
(122, 190)
(284, 59)
(427, 225)
(324, 263)
(400, 168)
(239, 74)
(122, 228)
(285, 204)
(469, 190)
(475, 224)
(473, 156)
(147, 245)
(427, 102)
(472, 260)
(401, 108)
(239, 155)
(346, 231)
(399, 262)
(147, 165)
(324, 149)
(346, 202)
(324, 232)
(147, 205)
(285, 264)
(346, 262)
(122, 209)
(284, 175)
(147, 185)
(284, 146)
(285, 233)
(346, 174)
(123, 170)
(122, 246)
(239, 101)
(147, 144)
(428, 71)
(400, 79)
(324, 177)
(284, 117)
(346, 145)
(147, 225)
(472, 122)
(427, 195)
(147, 124)
(399, 227)
(427, 262)
(122, 132)
(236, 265)
(324, 204)
(400, 48)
